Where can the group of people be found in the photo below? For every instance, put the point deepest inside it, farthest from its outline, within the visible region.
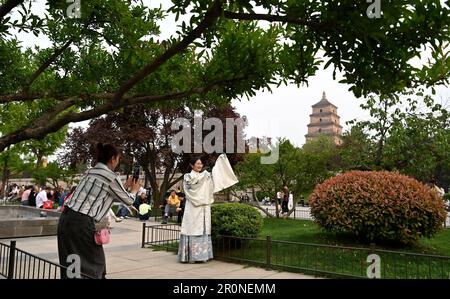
(142, 204)
(287, 200)
(43, 197)
(172, 205)
(100, 186)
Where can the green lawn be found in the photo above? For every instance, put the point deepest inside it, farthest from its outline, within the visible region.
(294, 252)
(308, 232)
(291, 250)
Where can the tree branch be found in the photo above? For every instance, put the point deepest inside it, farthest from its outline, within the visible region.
(46, 64)
(210, 17)
(8, 6)
(49, 123)
(174, 172)
(26, 97)
(273, 18)
(259, 208)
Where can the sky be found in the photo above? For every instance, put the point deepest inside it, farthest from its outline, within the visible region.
(282, 113)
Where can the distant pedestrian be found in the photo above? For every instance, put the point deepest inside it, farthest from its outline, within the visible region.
(26, 195)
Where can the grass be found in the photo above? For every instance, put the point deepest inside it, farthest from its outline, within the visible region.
(291, 250)
(298, 256)
(308, 232)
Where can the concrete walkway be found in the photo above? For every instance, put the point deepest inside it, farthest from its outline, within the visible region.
(126, 259)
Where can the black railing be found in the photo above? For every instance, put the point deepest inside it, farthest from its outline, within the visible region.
(314, 259)
(18, 264)
(164, 235)
(329, 260)
(296, 214)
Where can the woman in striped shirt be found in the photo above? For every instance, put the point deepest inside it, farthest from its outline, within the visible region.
(90, 203)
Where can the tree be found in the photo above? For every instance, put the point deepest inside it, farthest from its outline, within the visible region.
(357, 150)
(97, 64)
(419, 144)
(11, 164)
(318, 160)
(53, 174)
(410, 134)
(146, 136)
(300, 169)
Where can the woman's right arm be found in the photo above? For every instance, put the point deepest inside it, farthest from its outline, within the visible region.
(118, 191)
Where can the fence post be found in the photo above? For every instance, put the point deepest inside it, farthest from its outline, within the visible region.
(294, 212)
(268, 251)
(12, 259)
(143, 235)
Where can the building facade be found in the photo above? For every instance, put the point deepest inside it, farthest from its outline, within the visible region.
(324, 121)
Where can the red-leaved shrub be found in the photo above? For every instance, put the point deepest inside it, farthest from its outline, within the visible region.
(378, 205)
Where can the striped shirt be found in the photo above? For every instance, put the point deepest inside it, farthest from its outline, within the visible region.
(96, 192)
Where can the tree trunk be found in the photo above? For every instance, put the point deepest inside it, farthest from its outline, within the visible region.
(5, 177)
(256, 205)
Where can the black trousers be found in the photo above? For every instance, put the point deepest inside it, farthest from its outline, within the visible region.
(180, 217)
(144, 217)
(284, 206)
(76, 236)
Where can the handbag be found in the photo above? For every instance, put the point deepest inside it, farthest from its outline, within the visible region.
(102, 236)
(48, 205)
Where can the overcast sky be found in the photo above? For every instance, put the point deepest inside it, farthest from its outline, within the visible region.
(283, 113)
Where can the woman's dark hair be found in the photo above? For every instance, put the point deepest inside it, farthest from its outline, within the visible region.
(104, 152)
(195, 159)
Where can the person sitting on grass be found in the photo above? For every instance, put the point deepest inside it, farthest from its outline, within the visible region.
(144, 209)
(173, 202)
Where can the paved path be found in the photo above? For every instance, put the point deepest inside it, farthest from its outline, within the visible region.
(126, 259)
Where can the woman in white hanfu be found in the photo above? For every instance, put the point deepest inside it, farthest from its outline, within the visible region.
(199, 186)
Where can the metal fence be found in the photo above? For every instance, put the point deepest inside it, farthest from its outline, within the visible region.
(329, 260)
(164, 235)
(296, 214)
(18, 264)
(314, 259)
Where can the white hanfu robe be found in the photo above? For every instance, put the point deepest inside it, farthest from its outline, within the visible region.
(199, 187)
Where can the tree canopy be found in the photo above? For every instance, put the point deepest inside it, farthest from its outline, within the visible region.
(112, 56)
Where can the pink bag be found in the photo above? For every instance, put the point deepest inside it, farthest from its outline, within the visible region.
(102, 236)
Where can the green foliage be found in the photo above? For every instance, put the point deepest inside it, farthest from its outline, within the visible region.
(234, 53)
(379, 206)
(357, 151)
(408, 133)
(235, 219)
(298, 168)
(53, 174)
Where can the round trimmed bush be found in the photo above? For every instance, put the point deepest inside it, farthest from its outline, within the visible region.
(378, 206)
(236, 220)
